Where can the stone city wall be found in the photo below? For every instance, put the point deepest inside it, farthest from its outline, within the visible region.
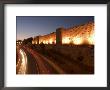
(81, 34)
(46, 39)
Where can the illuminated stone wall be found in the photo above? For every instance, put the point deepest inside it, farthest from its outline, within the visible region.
(46, 39)
(35, 40)
(81, 34)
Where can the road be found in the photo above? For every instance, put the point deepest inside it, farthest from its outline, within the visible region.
(31, 62)
(22, 62)
(35, 60)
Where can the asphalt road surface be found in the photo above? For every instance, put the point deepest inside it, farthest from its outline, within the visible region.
(30, 61)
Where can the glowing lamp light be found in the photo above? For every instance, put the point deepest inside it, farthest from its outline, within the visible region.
(91, 39)
(40, 42)
(46, 42)
(65, 40)
(78, 40)
(50, 41)
(32, 42)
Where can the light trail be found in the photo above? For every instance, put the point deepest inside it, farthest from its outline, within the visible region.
(23, 66)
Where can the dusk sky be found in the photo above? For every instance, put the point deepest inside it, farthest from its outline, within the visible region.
(30, 26)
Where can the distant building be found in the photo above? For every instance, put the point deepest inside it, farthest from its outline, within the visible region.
(19, 42)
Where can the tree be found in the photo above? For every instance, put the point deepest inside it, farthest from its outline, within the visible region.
(28, 40)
